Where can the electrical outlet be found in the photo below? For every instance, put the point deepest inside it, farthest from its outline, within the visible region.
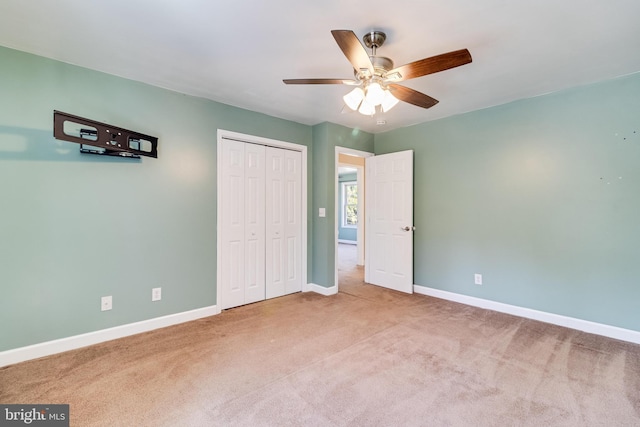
(156, 294)
(477, 279)
(106, 303)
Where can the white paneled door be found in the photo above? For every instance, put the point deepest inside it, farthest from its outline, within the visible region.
(283, 222)
(242, 208)
(254, 237)
(260, 225)
(389, 224)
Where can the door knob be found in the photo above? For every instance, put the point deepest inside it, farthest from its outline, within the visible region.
(407, 228)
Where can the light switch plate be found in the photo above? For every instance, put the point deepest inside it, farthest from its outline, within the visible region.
(322, 212)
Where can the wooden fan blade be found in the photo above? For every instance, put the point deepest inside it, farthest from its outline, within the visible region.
(412, 96)
(317, 81)
(430, 65)
(353, 50)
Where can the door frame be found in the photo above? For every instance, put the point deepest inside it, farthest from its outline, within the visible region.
(361, 187)
(252, 139)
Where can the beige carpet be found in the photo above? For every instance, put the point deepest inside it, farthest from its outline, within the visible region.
(365, 357)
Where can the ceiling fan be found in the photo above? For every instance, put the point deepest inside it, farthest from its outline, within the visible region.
(376, 78)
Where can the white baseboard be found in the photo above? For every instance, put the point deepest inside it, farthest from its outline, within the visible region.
(48, 348)
(556, 319)
(322, 290)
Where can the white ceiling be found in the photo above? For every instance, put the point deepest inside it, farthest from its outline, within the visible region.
(238, 51)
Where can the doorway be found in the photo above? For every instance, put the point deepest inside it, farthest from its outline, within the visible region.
(385, 229)
(350, 216)
(350, 271)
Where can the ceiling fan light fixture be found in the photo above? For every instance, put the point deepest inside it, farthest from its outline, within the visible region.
(354, 98)
(375, 94)
(367, 108)
(389, 101)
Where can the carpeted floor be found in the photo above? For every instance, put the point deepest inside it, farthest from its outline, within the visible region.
(365, 357)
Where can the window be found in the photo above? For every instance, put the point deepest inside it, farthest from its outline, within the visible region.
(350, 204)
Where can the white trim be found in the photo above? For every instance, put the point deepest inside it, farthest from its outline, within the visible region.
(48, 348)
(322, 290)
(361, 215)
(542, 316)
(252, 139)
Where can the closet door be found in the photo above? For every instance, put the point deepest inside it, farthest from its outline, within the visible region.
(242, 234)
(254, 233)
(283, 222)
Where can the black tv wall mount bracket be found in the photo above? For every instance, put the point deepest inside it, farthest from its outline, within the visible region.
(103, 139)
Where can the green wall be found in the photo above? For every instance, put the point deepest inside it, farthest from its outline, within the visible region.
(76, 227)
(326, 137)
(540, 196)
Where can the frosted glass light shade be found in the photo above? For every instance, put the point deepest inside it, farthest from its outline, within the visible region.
(354, 98)
(389, 101)
(375, 94)
(367, 108)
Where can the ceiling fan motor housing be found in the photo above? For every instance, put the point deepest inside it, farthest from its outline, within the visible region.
(380, 64)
